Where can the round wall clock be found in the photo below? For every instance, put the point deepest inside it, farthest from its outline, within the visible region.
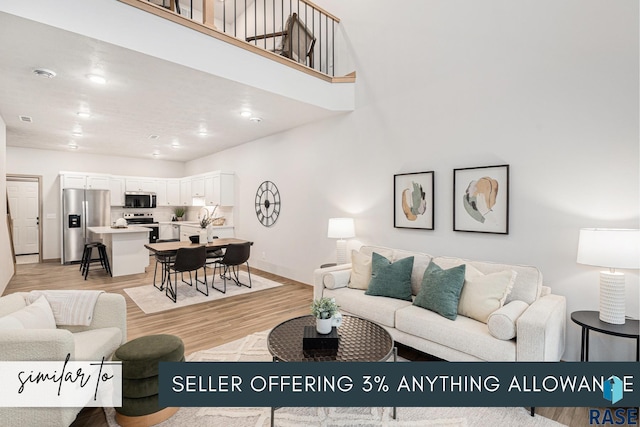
(267, 203)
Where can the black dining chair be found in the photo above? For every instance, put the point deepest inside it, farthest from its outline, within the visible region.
(235, 255)
(187, 260)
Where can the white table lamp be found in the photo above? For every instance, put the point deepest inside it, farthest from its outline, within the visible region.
(610, 248)
(341, 229)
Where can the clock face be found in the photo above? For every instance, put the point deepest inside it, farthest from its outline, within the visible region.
(267, 203)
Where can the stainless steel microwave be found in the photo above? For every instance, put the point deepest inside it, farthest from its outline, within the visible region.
(135, 199)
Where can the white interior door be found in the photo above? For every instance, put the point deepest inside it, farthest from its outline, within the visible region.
(23, 202)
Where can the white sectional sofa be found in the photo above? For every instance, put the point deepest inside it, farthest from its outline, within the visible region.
(530, 325)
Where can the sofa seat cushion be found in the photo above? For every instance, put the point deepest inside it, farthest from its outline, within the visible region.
(97, 343)
(463, 334)
(380, 310)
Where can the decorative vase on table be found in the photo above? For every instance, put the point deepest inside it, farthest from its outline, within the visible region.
(203, 235)
(210, 234)
(324, 326)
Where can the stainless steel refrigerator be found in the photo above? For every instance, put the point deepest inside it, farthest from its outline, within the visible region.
(82, 209)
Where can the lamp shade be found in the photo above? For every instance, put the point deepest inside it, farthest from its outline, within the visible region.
(341, 228)
(609, 248)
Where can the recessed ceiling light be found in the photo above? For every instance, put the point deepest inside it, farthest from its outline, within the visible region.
(153, 136)
(76, 133)
(203, 133)
(43, 72)
(255, 119)
(246, 113)
(155, 154)
(26, 119)
(73, 146)
(175, 145)
(96, 78)
(84, 114)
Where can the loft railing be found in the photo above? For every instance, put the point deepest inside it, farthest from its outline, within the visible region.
(294, 29)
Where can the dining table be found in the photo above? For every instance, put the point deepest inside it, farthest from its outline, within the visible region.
(171, 248)
(168, 251)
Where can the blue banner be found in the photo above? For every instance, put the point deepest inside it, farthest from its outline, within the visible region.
(414, 384)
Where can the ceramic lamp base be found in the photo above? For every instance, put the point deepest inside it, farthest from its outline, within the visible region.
(612, 298)
(341, 251)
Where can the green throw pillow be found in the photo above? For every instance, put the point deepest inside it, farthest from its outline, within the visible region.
(441, 289)
(389, 279)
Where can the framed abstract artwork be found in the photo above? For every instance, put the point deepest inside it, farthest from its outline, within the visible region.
(413, 200)
(481, 199)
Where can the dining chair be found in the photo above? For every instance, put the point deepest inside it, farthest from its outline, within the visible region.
(235, 255)
(187, 260)
(164, 261)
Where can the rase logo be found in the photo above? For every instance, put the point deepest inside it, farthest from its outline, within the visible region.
(613, 389)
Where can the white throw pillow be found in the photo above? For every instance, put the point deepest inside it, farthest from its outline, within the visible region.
(482, 294)
(37, 315)
(502, 323)
(360, 270)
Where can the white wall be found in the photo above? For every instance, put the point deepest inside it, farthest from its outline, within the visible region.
(550, 88)
(48, 164)
(6, 262)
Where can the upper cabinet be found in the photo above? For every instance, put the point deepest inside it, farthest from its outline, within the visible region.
(148, 185)
(173, 192)
(197, 186)
(186, 198)
(216, 188)
(219, 189)
(116, 185)
(85, 181)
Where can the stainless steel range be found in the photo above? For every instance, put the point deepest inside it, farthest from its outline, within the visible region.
(144, 220)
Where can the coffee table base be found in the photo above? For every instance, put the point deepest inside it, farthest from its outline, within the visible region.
(393, 413)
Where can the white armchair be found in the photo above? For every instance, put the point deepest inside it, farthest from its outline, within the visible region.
(107, 331)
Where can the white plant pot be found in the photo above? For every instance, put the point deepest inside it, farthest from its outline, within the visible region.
(323, 326)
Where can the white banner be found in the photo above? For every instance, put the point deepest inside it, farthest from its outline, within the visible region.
(61, 384)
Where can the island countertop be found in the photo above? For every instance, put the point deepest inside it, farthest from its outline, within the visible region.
(109, 230)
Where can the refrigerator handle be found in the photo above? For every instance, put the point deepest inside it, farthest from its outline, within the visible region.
(83, 221)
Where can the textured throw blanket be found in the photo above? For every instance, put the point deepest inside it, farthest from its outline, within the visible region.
(70, 307)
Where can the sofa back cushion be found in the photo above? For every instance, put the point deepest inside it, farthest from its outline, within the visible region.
(526, 286)
(420, 262)
(11, 303)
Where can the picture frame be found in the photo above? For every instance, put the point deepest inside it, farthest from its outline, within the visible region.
(481, 199)
(413, 200)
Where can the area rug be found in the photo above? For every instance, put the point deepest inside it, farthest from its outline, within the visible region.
(151, 300)
(254, 348)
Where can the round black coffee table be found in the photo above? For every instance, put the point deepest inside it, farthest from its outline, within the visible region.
(360, 341)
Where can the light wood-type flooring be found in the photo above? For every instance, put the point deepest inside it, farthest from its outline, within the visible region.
(206, 325)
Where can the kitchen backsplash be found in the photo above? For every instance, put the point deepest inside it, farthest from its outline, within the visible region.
(164, 213)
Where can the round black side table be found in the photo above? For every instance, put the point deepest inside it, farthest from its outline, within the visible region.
(590, 321)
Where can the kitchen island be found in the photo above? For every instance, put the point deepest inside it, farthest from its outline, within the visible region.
(125, 248)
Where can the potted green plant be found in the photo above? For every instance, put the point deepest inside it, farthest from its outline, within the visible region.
(179, 212)
(325, 310)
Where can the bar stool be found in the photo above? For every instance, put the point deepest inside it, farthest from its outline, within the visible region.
(87, 258)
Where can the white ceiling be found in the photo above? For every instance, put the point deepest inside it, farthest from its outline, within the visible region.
(143, 96)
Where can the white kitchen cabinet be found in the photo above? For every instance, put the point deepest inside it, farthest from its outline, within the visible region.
(161, 192)
(186, 199)
(169, 231)
(173, 192)
(116, 185)
(73, 181)
(98, 182)
(147, 185)
(219, 189)
(197, 186)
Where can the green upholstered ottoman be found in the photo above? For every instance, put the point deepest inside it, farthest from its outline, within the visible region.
(140, 361)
